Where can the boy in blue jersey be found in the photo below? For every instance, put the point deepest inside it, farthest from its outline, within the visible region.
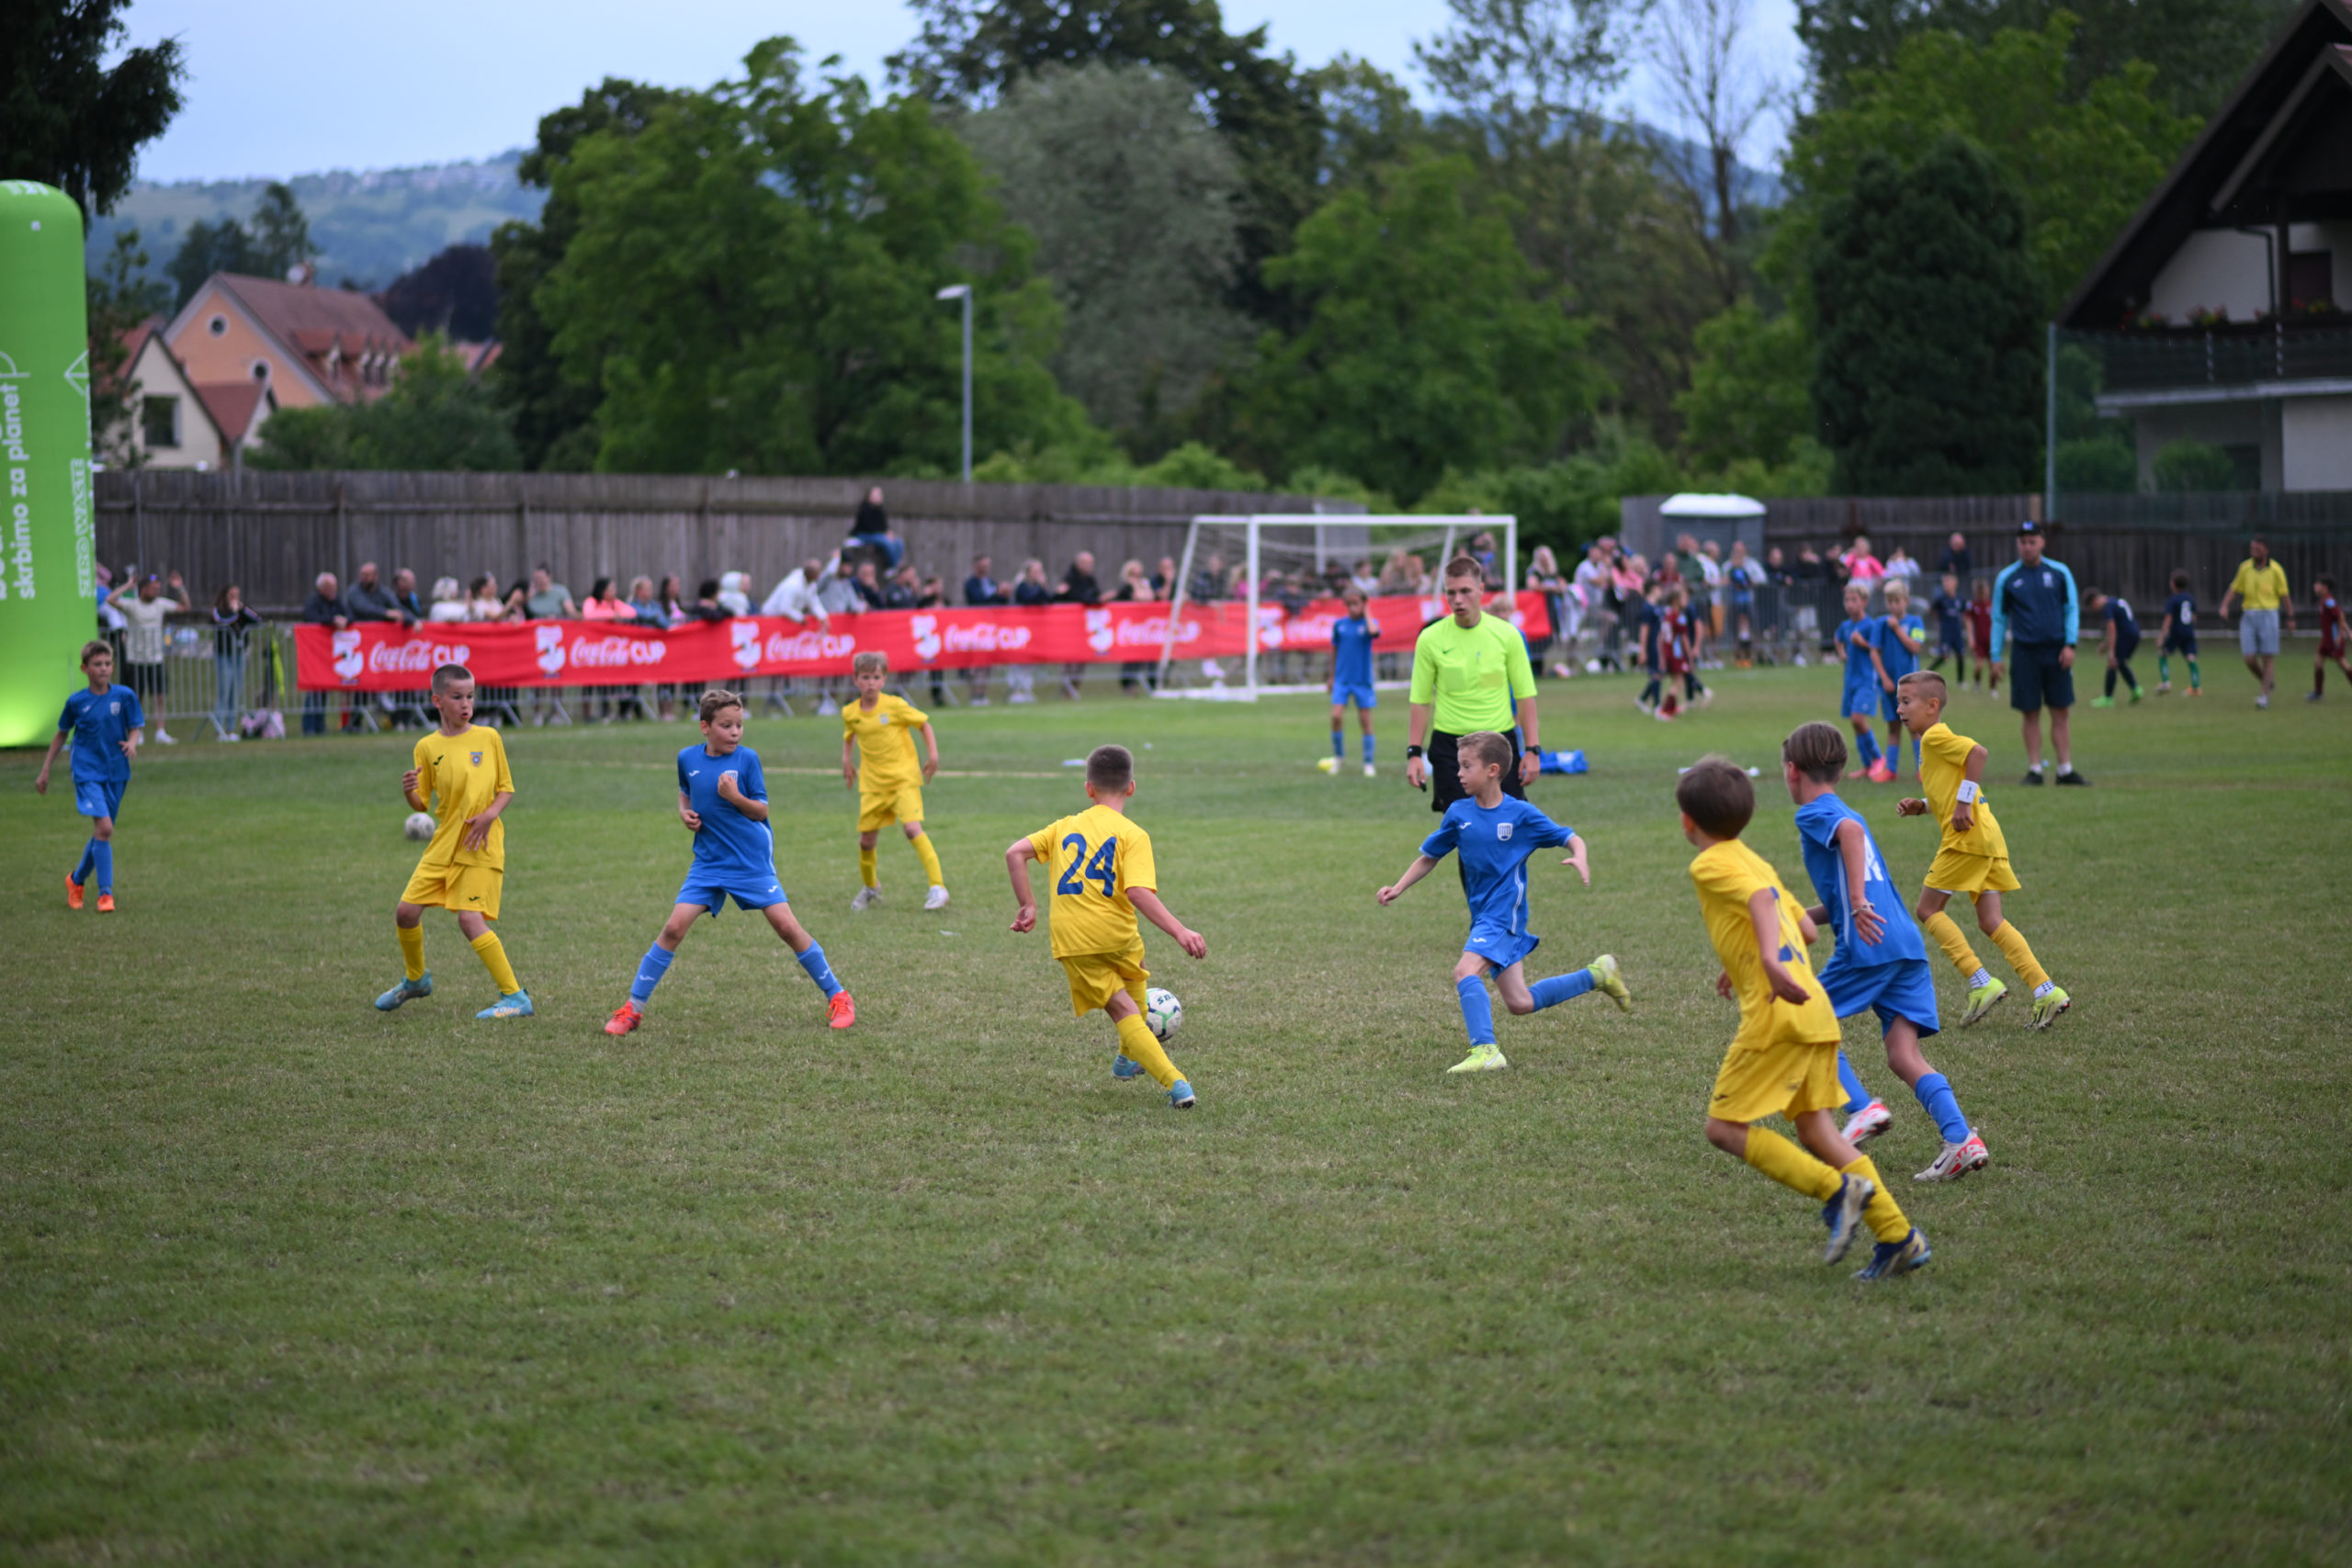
(2179, 637)
(1352, 636)
(105, 724)
(1899, 635)
(723, 801)
(1495, 836)
(1880, 961)
(1857, 637)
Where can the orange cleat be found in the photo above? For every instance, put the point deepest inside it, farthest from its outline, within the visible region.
(624, 1018)
(106, 903)
(73, 894)
(841, 1012)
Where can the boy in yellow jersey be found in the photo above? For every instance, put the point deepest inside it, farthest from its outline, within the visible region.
(1973, 858)
(878, 731)
(460, 767)
(1102, 874)
(1784, 1057)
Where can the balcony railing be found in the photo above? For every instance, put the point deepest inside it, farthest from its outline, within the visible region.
(2164, 358)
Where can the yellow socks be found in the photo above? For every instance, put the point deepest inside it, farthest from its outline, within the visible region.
(1136, 1040)
(2011, 942)
(412, 951)
(1947, 934)
(865, 869)
(492, 955)
(1783, 1162)
(930, 857)
(1883, 1215)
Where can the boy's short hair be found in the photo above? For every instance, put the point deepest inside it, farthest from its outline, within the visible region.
(1978, 583)
(1462, 566)
(1930, 680)
(1952, 578)
(873, 661)
(1815, 750)
(2179, 581)
(1897, 588)
(2325, 581)
(1853, 591)
(446, 675)
(1716, 795)
(2093, 596)
(716, 701)
(1487, 747)
(95, 647)
(1110, 769)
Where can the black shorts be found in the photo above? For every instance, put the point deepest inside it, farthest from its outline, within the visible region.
(2182, 641)
(2125, 647)
(2036, 678)
(1445, 764)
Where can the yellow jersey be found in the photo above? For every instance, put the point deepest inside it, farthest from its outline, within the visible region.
(1728, 876)
(1473, 679)
(2259, 587)
(1943, 762)
(886, 761)
(1091, 859)
(460, 774)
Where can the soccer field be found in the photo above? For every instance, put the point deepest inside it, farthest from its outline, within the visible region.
(285, 1280)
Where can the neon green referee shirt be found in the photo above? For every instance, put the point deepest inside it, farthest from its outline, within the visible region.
(1472, 677)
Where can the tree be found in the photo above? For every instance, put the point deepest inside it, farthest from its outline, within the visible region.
(437, 417)
(120, 295)
(1928, 378)
(1748, 397)
(751, 277)
(1695, 45)
(66, 117)
(207, 248)
(1132, 196)
(280, 233)
(1428, 341)
(2190, 467)
(455, 294)
(268, 244)
(1529, 69)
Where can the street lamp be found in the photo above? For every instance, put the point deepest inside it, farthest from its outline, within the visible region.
(964, 291)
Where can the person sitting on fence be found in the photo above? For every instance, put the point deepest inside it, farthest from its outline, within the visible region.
(146, 641)
(322, 608)
(448, 603)
(369, 600)
(871, 531)
(233, 624)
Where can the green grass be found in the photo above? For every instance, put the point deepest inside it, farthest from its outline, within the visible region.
(283, 1280)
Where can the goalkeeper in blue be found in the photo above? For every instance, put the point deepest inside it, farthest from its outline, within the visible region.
(1496, 835)
(1880, 962)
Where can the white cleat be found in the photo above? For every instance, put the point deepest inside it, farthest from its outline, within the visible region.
(1957, 1160)
(866, 898)
(1867, 1123)
(936, 898)
(1370, 770)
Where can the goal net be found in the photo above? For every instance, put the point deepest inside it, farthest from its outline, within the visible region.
(1255, 596)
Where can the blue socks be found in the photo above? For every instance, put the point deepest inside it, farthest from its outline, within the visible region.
(89, 862)
(1857, 1094)
(1866, 748)
(1558, 988)
(1339, 746)
(1937, 1099)
(819, 970)
(1478, 1012)
(102, 862)
(650, 970)
(1367, 751)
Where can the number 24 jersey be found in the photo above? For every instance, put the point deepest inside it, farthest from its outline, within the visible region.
(1090, 861)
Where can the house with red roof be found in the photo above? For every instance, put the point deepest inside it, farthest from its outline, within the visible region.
(179, 422)
(301, 345)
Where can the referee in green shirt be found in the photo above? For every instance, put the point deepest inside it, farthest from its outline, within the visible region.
(1470, 673)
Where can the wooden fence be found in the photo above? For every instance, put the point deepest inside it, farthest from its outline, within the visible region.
(274, 532)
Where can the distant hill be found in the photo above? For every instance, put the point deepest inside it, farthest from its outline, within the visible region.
(370, 227)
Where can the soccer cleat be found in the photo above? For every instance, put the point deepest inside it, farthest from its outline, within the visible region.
(2048, 1006)
(73, 894)
(406, 991)
(2033, 777)
(936, 898)
(2135, 694)
(1889, 1258)
(2311, 697)
(2196, 691)
(624, 1018)
(2164, 688)
(1370, 770)
(514, 1004)
(1180, 1096)
(840, 1011)
(1957, 1160)
(1983, 999)
(2263, 701)
(2102, 702)
(1881, 774)
(1868, 1122)
(1611, 984)
(2071, 776)
(1481, 1060)
(1843, 1214)
(866, 898)
(1123, 1066)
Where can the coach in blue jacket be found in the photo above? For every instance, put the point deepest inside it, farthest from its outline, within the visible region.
(2035, 614)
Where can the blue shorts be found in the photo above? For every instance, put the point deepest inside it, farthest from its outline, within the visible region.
(2037, 678)
(1363, 695)
(1886, 704)
(1499, 945)
(1860, 697)
(712, 892)
(99, 797)
(1904, 989)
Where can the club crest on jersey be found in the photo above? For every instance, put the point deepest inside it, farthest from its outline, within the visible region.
(477, 757)
(1502, 831)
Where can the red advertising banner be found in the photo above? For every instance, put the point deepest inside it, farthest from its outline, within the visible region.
(378, 657)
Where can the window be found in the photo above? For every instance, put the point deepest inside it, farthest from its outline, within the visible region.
(2311, 277)
(217, 326)
(159, 422)
(261, 371)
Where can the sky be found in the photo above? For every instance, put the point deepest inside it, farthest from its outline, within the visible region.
(283, 87)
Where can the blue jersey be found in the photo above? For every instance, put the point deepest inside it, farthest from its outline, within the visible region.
(1351, 642)
(1494, 846)
(1818, 825)
(100, 722)
(731, 847)
(1899, 661)
(1857, 659)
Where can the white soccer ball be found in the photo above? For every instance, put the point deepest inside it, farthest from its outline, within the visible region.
(419, 826)
(1162, 1013)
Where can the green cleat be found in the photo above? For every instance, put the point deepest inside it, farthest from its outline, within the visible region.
(1983, 999)
(2048, 1006)
(2102, 702)
(1481, 1060)
(406, 991)
(1609, 982)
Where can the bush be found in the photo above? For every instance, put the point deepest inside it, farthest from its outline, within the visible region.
(2097, 464)
(2185, 466)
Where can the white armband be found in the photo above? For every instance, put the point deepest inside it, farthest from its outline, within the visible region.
(1967, 792)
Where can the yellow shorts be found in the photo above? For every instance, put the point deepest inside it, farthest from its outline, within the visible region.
(1096, 977)
(902, 805)
(456, 888)
(1790, 1076)
(1953, 872)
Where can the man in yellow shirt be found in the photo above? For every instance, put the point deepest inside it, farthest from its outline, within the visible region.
(1470, 673)
(879, 731)
(2261, 586)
